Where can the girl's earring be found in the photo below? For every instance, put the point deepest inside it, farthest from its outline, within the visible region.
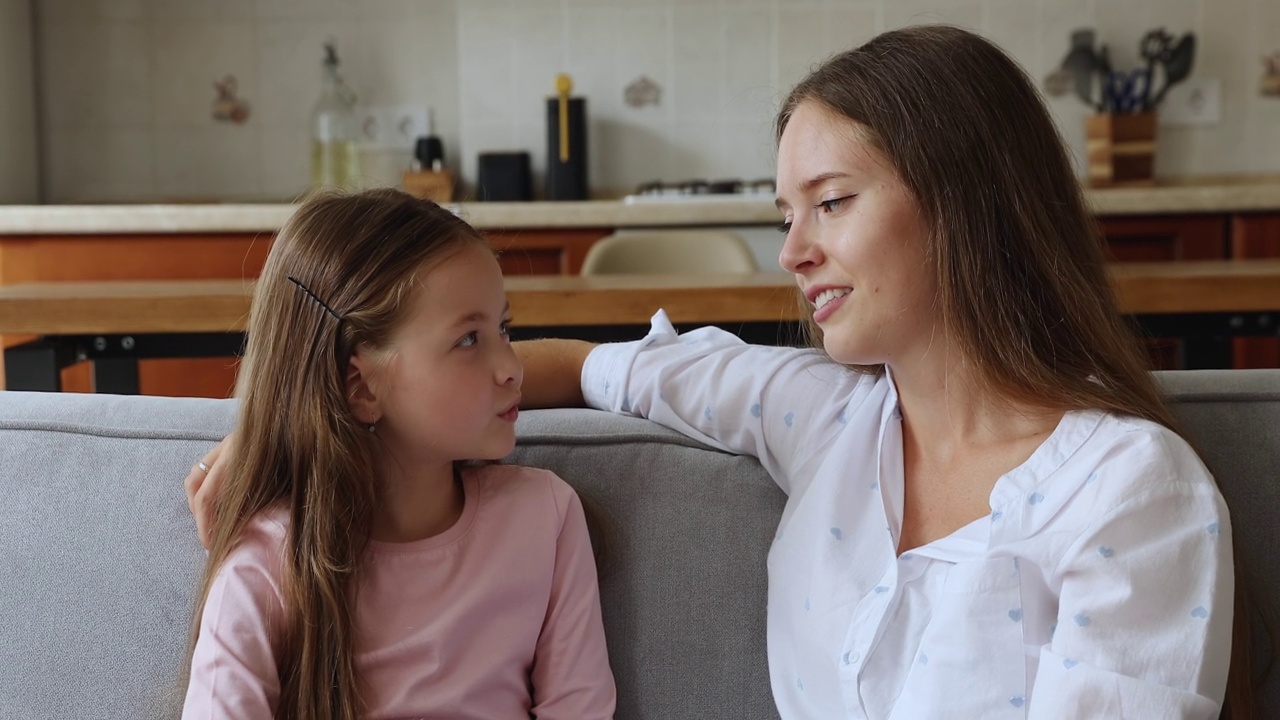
(373, 427)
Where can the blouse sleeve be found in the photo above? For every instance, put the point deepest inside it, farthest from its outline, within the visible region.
(233, 668)
(1145, 610)
(778, 404)
(571, 675)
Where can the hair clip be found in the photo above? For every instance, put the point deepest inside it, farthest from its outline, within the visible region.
(315, 297)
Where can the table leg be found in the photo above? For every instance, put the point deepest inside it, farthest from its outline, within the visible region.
(36, 365)
(115, 375)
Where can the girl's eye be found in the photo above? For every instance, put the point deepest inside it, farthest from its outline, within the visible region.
(785, 227)
(504, 328)
(833, 204)
(469, 339)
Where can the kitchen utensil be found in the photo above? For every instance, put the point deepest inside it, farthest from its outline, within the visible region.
(1178, 66)
(428, 150)
(1125, 92)
(1154, 48)
(1081, 62)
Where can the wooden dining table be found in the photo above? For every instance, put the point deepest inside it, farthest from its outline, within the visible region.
(116, 323)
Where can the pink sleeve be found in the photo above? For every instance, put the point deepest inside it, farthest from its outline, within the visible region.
(233, 669)
(571, 676)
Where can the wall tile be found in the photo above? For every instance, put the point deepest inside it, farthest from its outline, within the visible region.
(187, 58)
(139, 73)
(96, 165)
(95, 75)
(290, 68)
(200, 9)
(802, 43)
(917, 12)
(698, 52)
(207, 163)
(750, 89)
(88, 10)
(285, 161)
(645, 50)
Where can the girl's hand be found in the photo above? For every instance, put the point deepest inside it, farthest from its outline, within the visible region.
(202, 485)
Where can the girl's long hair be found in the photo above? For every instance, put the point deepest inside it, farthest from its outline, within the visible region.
(339, 275)
(1017, 256)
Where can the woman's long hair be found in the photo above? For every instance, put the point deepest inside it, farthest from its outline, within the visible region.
(340, 275)
(1017, 256)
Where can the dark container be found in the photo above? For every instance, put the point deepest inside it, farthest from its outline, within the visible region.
(504, 176)
(567, 177)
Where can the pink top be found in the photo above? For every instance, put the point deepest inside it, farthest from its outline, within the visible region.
(497, 617)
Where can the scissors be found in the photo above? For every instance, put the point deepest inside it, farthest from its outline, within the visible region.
(1126, 91)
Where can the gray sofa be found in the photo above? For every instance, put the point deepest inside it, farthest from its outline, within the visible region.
(99, 560)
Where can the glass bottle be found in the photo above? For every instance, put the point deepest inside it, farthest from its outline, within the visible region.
(335, 161)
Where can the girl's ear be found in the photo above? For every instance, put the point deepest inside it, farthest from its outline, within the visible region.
(361, 395)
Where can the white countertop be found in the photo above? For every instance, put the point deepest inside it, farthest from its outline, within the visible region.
(1235, 194)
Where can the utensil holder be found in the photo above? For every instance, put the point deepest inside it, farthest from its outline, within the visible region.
(1121, 149)
(434, 185)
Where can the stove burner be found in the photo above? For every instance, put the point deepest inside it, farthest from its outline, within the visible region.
(702, 187)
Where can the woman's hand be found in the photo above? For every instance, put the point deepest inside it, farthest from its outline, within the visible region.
(202, 485)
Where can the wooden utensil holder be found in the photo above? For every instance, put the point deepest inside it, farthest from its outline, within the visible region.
(1121, 149)
(434, 185)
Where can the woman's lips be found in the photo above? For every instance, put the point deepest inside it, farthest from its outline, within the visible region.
(829, 309)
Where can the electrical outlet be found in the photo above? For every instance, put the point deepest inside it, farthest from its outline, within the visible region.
(393, 127)
(1198, 101)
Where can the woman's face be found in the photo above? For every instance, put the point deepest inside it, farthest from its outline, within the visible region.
(855, 241)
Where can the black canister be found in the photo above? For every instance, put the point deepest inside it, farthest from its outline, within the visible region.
(566, 148)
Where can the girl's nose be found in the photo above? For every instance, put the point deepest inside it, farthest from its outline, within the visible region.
(508, 369)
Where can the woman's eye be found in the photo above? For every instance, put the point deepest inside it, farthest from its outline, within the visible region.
(833, 204)
(468, 340)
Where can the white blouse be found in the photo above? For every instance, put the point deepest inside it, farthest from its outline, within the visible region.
(1100, 585)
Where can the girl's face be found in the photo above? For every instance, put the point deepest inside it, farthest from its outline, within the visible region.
(856, 241)
(449, 385)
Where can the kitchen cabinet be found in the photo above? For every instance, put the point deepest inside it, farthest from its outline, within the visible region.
(222, 256)
(551, 251)
(1165, 238)
(1256, 235)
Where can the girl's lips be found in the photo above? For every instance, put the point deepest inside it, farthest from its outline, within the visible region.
(511, 413)
(827, 310)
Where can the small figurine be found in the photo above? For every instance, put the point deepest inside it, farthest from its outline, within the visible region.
(227, 107)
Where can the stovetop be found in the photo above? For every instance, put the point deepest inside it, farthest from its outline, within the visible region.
(703, 190)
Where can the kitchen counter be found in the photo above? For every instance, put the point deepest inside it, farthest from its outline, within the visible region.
(1194, 195)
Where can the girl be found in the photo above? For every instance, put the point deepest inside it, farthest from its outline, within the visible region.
(358, 568)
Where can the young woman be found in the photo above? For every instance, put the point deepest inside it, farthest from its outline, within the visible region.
(359, 567)
(990, 512)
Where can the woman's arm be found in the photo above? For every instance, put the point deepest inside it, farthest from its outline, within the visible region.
(552, 372)
(1145, 609)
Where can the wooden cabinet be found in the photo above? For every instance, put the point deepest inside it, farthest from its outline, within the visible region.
(1256, 235)
(544, 251)
(227, 256)
(220, 256)
(1167, 237)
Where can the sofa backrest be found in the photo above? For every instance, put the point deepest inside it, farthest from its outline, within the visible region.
(99, 560)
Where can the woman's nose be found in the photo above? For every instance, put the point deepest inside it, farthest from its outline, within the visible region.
(798, 251)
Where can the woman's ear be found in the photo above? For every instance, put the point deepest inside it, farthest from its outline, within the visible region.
(362, 396)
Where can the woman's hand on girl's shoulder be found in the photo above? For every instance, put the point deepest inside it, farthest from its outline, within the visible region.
(202, 484)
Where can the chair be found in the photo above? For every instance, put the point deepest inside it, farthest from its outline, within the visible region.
(670, 252)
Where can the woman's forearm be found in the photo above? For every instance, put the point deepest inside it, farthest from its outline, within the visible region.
(552, 372)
